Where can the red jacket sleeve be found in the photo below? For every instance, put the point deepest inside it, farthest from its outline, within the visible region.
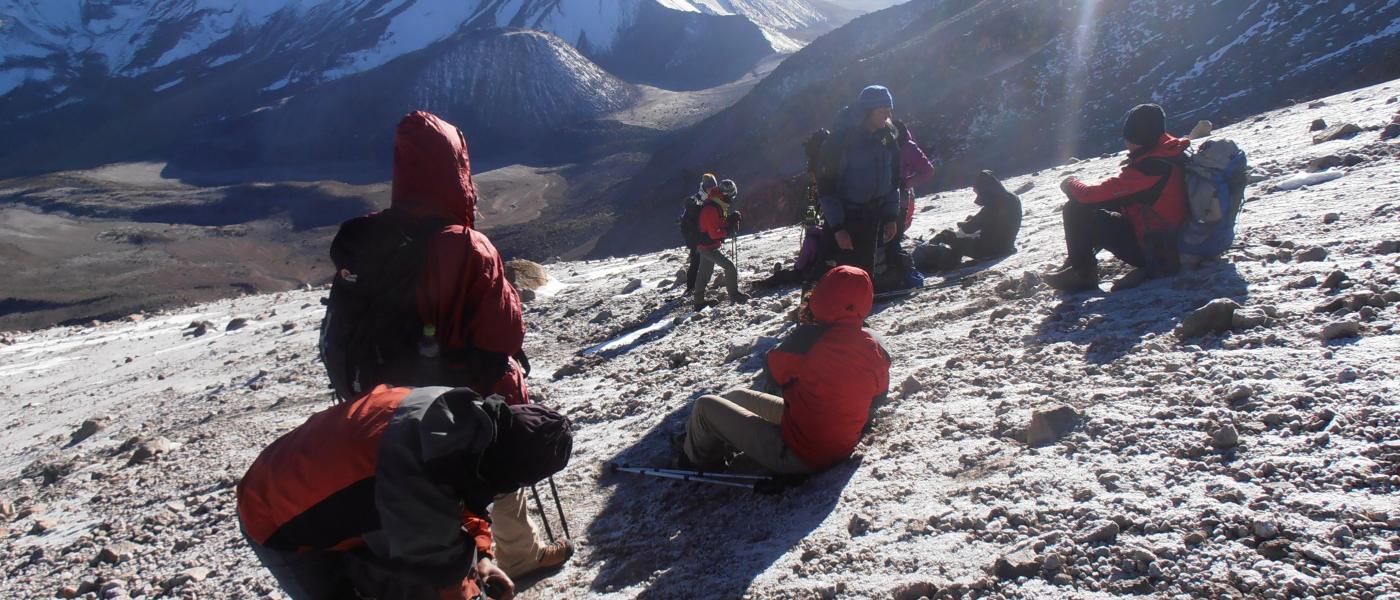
(783, 366)
(480, 531)
(1129, 181)
(464, 293)
(712, 223)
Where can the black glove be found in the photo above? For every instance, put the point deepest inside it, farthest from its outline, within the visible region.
(734, 218)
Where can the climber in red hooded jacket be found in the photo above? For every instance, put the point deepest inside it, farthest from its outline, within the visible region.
(473, 311)
(462, 293)
(831, 372)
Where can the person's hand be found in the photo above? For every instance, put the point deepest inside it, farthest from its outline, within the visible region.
(843, 240)
(734, 218)
(1064, 185)
(492, 576)
(891, 230)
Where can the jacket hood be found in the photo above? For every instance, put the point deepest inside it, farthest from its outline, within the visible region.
(842, 297)
(531, 443)
(988, 188)
(1168, 146)
(432, 172)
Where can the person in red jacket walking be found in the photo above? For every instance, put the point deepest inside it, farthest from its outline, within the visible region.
(718, 219)
(1135, 215)
(386, 496)
(830, 372)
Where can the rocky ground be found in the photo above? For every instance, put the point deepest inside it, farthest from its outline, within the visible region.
(1230, 432)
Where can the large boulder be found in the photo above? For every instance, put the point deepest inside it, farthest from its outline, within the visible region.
(526, 275)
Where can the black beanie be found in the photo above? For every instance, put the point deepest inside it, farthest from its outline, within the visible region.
(532, 443)
(1145, 125)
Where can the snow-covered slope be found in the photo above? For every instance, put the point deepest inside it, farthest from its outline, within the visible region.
(49, 42)
(1135, 500)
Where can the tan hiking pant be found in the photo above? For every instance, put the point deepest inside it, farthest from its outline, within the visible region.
(744, 420)
(518, 547)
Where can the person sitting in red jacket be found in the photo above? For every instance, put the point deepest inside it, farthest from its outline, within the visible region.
(1135, 215)
(718, 219)
(386, 496)
(830, 372)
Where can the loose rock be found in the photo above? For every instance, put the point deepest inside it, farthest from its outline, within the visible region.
(1318, 125)
(1341, 329)
(89, 428)
(1020, 563)
(1105, 531)
(150, 449)
(1048, 425)
(1337, 132)
(1217, 315)
(1225, 437)
(1311, 254)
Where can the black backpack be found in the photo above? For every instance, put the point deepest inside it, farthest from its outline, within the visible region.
(690, 220)
(372, 325)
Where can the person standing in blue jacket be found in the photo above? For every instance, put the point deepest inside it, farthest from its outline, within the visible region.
(858, 181)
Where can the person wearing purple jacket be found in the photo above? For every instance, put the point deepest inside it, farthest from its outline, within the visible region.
(915, 169)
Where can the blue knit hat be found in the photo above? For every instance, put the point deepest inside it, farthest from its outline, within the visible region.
(873, 97)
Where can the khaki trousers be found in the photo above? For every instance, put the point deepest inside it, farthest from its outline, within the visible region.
(744, 420)
(518, 547)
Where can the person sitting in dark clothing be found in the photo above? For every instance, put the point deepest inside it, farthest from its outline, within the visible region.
(991, 233)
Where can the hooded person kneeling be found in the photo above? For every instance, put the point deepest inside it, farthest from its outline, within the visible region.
(991, 233)
(387, 496)
(831, 372)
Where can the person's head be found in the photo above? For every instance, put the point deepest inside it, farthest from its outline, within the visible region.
(843, 296)
(531, 443)
(988, 188)
(1144, 126)
(432, 172)
(876, 105)
(729, 189)
(708, 182)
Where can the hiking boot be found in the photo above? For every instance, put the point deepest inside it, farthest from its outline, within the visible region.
(1073, 279)
(1134, 278)
(704, 304)
(555, 554)
(740, 298)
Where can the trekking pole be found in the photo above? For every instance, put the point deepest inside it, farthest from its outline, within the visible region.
(543, 516)
(762, 484)
(560, 506)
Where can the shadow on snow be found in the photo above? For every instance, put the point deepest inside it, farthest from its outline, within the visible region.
(684, 539)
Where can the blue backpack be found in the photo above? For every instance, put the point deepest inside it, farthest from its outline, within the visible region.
(1216, 176)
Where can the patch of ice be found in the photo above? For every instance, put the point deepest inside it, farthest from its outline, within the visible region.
(1307, 179)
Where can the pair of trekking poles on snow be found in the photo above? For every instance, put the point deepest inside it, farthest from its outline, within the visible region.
(544, 517)
(762, 484)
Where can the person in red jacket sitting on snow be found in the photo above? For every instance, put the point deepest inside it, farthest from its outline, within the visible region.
(830, 372)
(1135, 215)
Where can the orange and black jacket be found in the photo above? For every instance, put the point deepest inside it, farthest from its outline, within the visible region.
(831, 371)
(383, 473)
